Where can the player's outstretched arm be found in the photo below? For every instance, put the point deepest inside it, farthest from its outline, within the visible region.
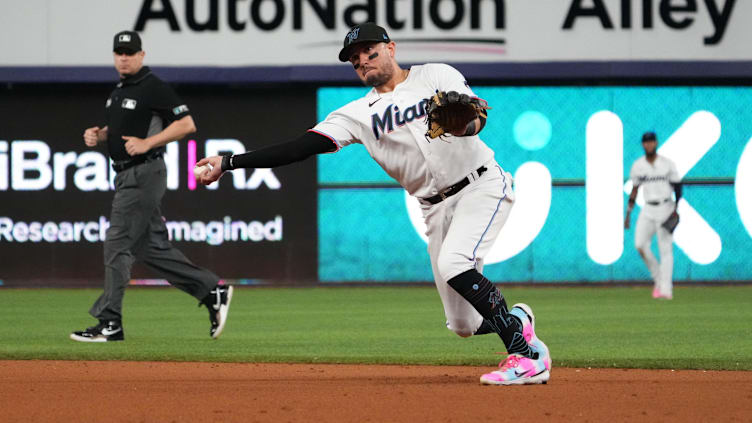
(307, 145)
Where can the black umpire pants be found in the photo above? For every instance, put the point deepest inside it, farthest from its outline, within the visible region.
(138, 232)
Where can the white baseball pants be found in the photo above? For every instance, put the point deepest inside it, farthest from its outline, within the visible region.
(461, 230)
(647, 226)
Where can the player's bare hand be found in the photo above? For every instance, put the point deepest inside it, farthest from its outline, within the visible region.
(627, 223)
(208, 177)
(135, 146)
(91, 136)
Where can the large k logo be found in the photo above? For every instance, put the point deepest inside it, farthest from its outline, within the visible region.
(685, 147)
(699, 133)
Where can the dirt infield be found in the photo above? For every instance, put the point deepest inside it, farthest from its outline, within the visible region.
(230, 392)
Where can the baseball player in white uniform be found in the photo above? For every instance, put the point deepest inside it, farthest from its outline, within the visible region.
(658, 177)
(465, 195)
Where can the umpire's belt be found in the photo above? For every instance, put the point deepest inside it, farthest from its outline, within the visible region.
(658, 202)
(120, 166)
(454, 189)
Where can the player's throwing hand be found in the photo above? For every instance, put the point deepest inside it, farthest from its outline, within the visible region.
(215, 173)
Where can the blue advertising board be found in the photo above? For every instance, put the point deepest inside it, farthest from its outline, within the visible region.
(570, 150)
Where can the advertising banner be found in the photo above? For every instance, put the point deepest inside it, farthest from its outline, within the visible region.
(298, 33)
(55, 193)
(570, 150)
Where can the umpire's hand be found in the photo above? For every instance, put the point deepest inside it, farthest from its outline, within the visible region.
(93, 135)
(209, 176)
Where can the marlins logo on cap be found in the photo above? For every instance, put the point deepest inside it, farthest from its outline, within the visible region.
(352, 35)
(363, 33)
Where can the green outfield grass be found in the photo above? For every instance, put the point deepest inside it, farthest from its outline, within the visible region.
(702, 328)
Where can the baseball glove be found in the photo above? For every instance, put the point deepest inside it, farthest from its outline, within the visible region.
(670, 223)
(450, 112)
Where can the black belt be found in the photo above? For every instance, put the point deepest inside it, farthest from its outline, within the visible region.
(658, 203)
(120, 166)
(454, 189)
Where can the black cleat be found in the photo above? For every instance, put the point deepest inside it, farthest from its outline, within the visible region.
(218, 303)
(105, 331)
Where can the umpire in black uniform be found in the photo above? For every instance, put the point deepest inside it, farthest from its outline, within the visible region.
(143, 115)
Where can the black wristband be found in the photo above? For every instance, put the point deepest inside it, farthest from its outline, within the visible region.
(226, 163)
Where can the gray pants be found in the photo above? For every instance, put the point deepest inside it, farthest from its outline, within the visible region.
(138, 232)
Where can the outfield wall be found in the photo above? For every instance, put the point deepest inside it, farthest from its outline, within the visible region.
(339, 218)
(56, 192)
(570, 149)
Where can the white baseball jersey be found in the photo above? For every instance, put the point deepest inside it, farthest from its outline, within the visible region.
(392, 128)
(462, 228)
(655, 179)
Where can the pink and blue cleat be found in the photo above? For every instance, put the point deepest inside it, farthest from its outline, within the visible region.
(520, 370)
(657, 294)
(517, 370)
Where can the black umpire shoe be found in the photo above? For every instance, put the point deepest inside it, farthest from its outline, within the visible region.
(105, 331)
(218, 303)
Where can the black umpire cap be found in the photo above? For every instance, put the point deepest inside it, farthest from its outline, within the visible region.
(649, 136)
(363, 33)
(126, 42)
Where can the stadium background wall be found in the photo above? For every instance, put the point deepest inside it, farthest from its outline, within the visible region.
(278, 210)
(330, 231)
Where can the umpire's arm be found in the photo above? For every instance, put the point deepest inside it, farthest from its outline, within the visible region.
(174, 131)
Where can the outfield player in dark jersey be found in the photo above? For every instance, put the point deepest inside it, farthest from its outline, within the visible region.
(143, 115)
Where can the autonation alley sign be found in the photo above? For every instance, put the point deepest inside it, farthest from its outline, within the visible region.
(310, 32)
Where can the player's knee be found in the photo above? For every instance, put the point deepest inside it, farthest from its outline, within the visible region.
(463, 328)
(452, 264)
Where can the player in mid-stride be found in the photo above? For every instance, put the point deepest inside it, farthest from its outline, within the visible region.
(464, 194)
(657, 176)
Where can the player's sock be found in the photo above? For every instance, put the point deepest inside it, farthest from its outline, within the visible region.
(485, 327)
(489, 302)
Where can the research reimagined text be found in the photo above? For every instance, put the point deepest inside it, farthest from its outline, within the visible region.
(213, 232)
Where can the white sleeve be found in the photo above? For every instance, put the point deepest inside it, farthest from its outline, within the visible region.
(340, 128)
(633, 175)
(447, 78)
(673, 174)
